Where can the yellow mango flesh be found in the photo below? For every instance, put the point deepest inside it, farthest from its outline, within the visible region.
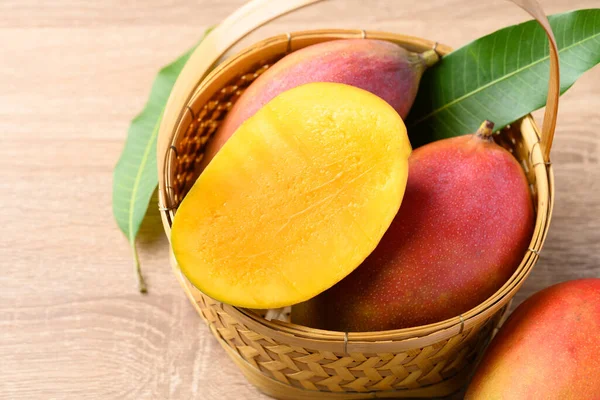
(296, 199)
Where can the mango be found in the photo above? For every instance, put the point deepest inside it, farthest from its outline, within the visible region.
(297, 198)
(382, 68)
(547, 349)
(464, 226)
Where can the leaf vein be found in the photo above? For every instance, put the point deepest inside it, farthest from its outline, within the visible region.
(500, 79)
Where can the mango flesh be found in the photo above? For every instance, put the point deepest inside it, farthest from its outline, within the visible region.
(296, 199)
(547, 349)
(464, 226)
(382, 68)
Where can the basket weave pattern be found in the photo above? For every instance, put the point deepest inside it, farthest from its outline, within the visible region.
(354, 372)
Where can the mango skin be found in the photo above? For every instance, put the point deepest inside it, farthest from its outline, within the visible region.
(463, 227)
(382, 68)
(547, 349)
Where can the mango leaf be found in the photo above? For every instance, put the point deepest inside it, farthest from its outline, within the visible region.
(502, 76)
(135, 177)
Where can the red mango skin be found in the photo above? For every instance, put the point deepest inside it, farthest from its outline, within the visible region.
(548, 348)
(380, 67)
(464, 226)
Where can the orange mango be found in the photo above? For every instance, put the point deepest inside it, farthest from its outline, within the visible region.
(297, 198)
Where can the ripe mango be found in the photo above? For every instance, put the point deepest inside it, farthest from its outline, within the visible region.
(382, 68)
(463, 228)
(296, 199)
(547, 349)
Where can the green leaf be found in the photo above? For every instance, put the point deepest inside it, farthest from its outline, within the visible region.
(502, 76)
(135, 177)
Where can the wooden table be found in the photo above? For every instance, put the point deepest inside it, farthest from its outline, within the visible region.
(72, 75)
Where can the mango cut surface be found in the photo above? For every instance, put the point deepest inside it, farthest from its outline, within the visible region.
(296, 199)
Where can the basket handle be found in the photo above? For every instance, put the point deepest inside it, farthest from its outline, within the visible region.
(256, 13)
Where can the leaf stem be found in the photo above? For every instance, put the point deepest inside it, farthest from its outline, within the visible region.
(138, 270)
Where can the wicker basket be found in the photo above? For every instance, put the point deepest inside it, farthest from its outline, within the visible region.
(295, 362)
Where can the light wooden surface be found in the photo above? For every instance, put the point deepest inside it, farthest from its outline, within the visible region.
(72, 75)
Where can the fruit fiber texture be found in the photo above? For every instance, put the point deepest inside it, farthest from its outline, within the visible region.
(548, 348)
(464, 226)
(297, 198)
(382, 68)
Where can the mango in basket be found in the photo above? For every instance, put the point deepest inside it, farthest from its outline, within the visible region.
(547, 349)
(296, 199)
(378, 66)
(463, 228)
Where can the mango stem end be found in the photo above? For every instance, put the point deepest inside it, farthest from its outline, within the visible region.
(430, 57)
(486, 130)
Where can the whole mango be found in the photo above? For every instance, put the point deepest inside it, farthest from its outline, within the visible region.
(463, 227)
(380, 67)
(547, 349)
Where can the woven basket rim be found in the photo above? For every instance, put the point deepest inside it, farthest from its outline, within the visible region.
(431, 332)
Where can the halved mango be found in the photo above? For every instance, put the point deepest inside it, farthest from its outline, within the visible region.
(296, 199)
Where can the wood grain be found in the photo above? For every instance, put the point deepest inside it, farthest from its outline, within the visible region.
(73, 74)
